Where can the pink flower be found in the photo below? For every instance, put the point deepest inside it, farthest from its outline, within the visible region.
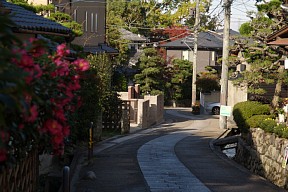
(58, 139)
(81, 64)
(62, 50)
(37, 71)
(52, 126)
(59, 113)
(26, 61)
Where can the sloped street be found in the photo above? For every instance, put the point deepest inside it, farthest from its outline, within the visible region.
(174, 156)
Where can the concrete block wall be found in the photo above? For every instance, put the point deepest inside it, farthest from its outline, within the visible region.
(144, 111)
(156, 108)
(236, 94)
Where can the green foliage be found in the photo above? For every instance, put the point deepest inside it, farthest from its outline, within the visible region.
(208, 81)
(119, 81)
(270, 6)
(280, 129)
(26, 6)
(96, 94)
(180, 82)
(11, 88)
(268, 125)
(151, 68)
(244, 110)
(255, 120)
(74, 26)
(245, 29)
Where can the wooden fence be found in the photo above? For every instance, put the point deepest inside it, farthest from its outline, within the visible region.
(116, 119)
(22, 177)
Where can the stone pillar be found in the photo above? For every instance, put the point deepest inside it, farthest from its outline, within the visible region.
(130, 92)
(137, 91)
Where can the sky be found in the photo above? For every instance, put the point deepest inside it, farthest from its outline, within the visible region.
(238, 11)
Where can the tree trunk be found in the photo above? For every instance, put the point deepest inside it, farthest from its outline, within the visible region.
(275, 101)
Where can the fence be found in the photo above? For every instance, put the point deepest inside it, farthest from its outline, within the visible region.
(22, 177)
(113, 120)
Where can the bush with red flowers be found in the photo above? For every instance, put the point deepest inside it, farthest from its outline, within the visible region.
(39, 91)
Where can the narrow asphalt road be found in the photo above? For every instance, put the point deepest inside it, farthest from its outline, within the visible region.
(175, 156)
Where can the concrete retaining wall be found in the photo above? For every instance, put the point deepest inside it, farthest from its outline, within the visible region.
(263, 154)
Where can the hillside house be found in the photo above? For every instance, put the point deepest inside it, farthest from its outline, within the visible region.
(136, 41)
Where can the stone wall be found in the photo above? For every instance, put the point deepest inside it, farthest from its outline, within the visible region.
(263, 153)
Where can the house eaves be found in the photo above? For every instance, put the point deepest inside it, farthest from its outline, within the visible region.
(28, 22)
(128, 35)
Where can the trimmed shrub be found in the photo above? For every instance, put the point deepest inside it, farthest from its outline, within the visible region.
(254, 121)
(268, 125)
(285, 132)
(279, 129)
(244, 110)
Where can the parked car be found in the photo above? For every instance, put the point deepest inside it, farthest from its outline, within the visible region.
(213, 107)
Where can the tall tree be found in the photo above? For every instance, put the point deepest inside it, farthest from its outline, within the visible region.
(263, 60)
(151, 67)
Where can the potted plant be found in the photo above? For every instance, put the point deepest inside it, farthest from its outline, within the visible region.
(196, 109)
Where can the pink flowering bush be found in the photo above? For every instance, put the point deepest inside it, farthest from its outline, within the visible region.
(49, 94)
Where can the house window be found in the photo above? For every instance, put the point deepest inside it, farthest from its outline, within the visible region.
(75, 15)
(96, 22)
(86, 21)
(92, 22)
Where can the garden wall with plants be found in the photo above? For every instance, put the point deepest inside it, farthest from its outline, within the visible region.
(263, 145)
(263, 153)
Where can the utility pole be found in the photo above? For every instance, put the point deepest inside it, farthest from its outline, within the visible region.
(194, 74)
(225, 55)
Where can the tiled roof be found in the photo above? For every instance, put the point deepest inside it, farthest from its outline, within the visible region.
(28, 21)
(232, 32)
(102, 48)
(206, 40)
(107, 48)
(128, 35)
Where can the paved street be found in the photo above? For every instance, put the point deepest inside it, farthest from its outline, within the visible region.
(174, 156)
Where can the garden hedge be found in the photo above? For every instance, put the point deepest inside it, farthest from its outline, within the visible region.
(242, 111)
(256, 120)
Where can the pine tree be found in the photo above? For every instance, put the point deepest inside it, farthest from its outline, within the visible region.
(151, 67)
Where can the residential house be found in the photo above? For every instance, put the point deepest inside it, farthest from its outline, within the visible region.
(136, 41)
(92, 15)
(210, 47)
(28, 24)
